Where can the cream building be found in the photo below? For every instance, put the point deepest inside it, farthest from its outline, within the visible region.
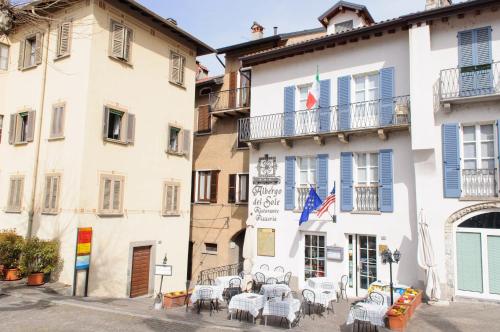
(97, 106)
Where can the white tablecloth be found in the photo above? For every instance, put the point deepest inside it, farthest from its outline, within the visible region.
(268, 290)
(387, 297)
(324, 296)
(374, 314)
(287, 308)
(321, 283)
(216, 293)
(247, 302)
(280, 276)
(224, 281)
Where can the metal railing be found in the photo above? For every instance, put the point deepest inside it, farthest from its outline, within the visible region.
(379, 113)
(229, 99)
(366, 197)
(479, 183)
(472, 81)
(220, 271)
(302, 193)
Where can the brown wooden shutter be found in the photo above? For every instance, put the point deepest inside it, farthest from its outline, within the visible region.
(38, 48)
(204, 123)
(186, 142)
(12, 128)
(193, 185)
(30, 134)
(232, 189)
(64, 41)
(22, 44)
(105, 123)
(232, 88)
(214, 182)
(130, 128)
(117, 40)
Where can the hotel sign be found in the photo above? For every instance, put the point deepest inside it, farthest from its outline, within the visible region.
(266, 192)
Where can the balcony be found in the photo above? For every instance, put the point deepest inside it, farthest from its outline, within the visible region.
(467, 84)
(302, 194)
(366, 198)
(230, 102)
(479, 183)
(342, 120)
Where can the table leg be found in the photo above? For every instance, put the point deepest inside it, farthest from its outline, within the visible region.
(265, 321)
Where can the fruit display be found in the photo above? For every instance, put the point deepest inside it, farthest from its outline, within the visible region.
(397, 310)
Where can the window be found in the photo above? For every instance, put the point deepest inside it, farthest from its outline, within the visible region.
(51, 198)
(240, 144)
(307, 171)
(4, 57)
(121, 41)
(57, 122)
(30, 51)
(177, 64)
(119, 126)
(344, 26)
(367, 168)
(238, 188)
(367, 87)
(314, 265)
(22, 127)
(367, 182)
(111, 195)
(1, 127)
(15, 198)
(179, 141)
(479, 147)
(211, 248)
(63, 39)
(171, 192)
(207, 186)
(303, 92)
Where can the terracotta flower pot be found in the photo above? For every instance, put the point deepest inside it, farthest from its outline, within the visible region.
(171, 301)
(11, 274)
(398, 322)
(35, 279)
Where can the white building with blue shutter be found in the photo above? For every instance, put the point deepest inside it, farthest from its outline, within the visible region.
(396, 132)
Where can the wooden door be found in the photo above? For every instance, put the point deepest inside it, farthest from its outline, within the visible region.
(139, 283)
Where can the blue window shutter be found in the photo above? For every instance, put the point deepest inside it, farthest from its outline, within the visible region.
(451, 160)
(465, 49)
(322, 175)
(344, 100)
(484, 76)
(346, 182)
(289, 183)
(289, 103)
(385, 168)
(386, 96)
(324, 106)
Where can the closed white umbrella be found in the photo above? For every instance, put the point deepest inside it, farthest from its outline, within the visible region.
(427, 260)
(249, 248)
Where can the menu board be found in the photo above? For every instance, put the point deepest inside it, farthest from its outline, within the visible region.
(266, 242)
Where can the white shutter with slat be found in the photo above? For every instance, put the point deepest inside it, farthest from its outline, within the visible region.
(22, 44)
(130, 128)
(30, 132)
(64, 40)
(12, 192)
(175, 199)
(181, 70)
(38, 48)
(117, 40)
(54, 193)
(105, 123)
(186, 142)
(106, 201)
(127, 44)
(48, 186)
(175, 67)
(12, 128)
(116, 195)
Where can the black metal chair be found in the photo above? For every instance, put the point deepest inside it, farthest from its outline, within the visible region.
(264, 267)
(376, 298)
(286, 279)
(309, 300)
(279, 269)
(233, 289)
(259, 280)
(242, 275)
(206, 296)
(361, 323)
(271, 281)
(343, 287)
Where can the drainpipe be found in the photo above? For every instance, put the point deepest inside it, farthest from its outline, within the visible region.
(31, 211)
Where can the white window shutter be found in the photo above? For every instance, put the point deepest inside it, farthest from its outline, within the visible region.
(64, 42)
(182, 61)
(175, 67)
(48, 186)
(127, 43)
(12, 128)
(130, 128)
(186, 142)
(38, 48)
(22, 44)
(106, 195)
(117, 40)
(105, 123)
(30, 135)
(117, 188)
(54, 193)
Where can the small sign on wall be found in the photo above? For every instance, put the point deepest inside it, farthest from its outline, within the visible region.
(266, 242)
(163, 270)
(335, 254)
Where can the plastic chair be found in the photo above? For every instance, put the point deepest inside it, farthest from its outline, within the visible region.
(279, 269)
(343, 286)
(376, 298)
(264, 267)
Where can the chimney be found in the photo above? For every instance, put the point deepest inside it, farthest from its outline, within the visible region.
(171, 20)
(433, 4)
(275, 30)
(257, 31)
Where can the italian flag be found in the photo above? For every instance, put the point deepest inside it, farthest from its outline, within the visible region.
(313, 94)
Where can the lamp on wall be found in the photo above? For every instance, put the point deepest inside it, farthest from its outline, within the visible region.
(389, 257)
(165, 259)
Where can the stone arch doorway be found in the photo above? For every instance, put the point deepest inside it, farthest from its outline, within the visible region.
(237, 247)
(473, 252)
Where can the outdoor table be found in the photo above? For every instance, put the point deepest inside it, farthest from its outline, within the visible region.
(224, 281)
(387, 297)
(268, 290)
(374, 314)
(280, 276)
(288, 308)
(320, 282)
(249, 302)
(217, 292)
(324, 297)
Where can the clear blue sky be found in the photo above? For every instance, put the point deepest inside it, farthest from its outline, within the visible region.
(226, 22)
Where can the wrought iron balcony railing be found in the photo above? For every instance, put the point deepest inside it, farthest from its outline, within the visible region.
(366, 197)
(229, 99)
(372, 114)
(473, 81)
(479, 183)
(207, 276)
(302, 193)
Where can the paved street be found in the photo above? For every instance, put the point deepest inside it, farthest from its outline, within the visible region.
(43, 309)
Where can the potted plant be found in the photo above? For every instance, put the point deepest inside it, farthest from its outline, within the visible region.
(39, 258)
(397, 317)
(175, 299)
(11, 246)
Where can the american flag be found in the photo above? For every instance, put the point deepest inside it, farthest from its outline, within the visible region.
(327, 202)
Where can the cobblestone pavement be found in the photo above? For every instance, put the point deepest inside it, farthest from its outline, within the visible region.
(44, 309)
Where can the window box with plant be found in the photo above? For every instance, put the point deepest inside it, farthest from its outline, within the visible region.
(39, 257)
(11, 247)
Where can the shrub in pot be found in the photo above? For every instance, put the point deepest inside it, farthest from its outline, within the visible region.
(39, 258)
(11, 246)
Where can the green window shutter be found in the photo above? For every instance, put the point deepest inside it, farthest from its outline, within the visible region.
(469, 262)
(494, 263)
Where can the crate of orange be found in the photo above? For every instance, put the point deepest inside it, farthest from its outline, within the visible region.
(408, 300)
(397, 317)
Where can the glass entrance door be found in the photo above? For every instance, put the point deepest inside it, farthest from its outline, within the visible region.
(367, 261)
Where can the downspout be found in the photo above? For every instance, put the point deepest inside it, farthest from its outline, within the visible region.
(31, 212)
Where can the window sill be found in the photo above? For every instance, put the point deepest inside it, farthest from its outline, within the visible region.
(62, 57)
(176, 214)
(209, 253)
(56, 138)
(109, 215)
(478, 199)
(203, 203)
(243, 148)
(48, 213)
(366, 212)
(29, 68)
(122, 61)
(179, 85)
(203, 133)
(12, 211)
(115, 141)
(20, 143)
(241, 203)
(175, 153)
